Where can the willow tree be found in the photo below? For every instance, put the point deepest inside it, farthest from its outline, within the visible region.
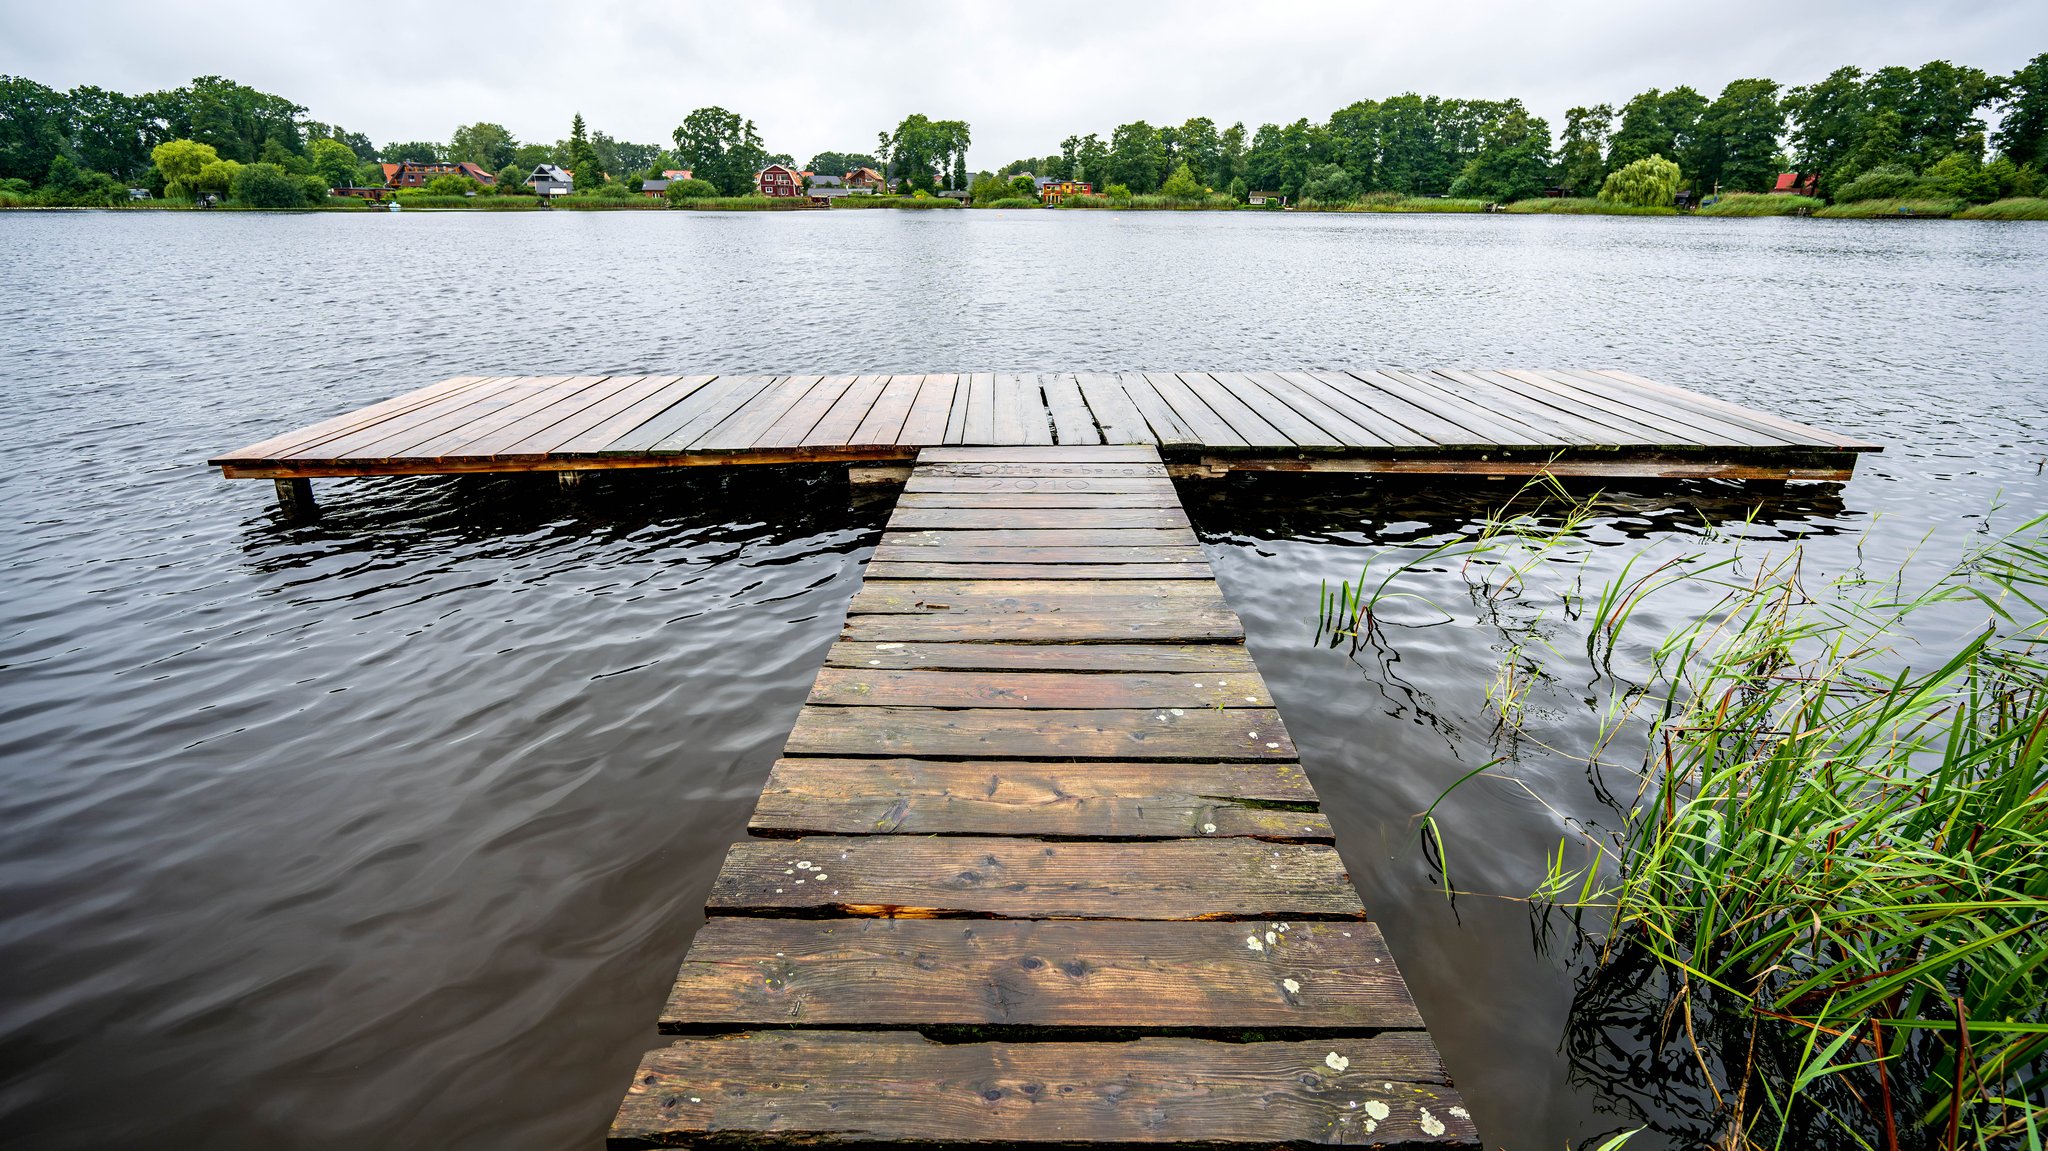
(1650, 182)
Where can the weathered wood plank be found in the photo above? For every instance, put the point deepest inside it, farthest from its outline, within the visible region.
(1249, 425)
(1788, 430)
(924, 877)
(894, 1088)
(791, 428)
(884, 568)
(484, 397)
(1120, 420)
(1080, 554)
(402, 436)
(1167, 428)
(1030, 454)
(921, 483)
(514, 423)
(913, 517)
(981, 408)
(741, 391)
(1220, 659)
(850, 687)
(1001, 733)
(1304, 418)
(838, 425)
(899, 595)
(602, 434)
(557, 437)
(939, 539)
(1071, 421)
(885, 419)
(1208, 427)
(930, 413)
(282, 444)
(746, 425)
(1055, 625)
(685, 408)
(899, 974)
(956, 419)
(994, 500)
(1054, 800)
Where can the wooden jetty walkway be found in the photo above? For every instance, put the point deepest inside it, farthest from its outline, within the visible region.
(1490, 423)
(1039, 864)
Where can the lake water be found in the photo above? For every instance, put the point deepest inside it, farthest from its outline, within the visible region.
(390, 830)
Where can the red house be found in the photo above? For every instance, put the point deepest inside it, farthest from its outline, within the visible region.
(1794, 184)
(776, 180)
(411, 174)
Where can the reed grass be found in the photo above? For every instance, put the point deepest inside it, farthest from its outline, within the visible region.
(1587, 206)
(1395, 202)
(910, 202)
(1760, 204)
(2017, 208)
(1835, 856)
(1891, 209)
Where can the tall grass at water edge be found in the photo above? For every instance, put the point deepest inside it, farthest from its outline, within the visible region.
(1891, 210)
(1587, 206)
(2017, 208)
(1760, 204)
(1831, 870)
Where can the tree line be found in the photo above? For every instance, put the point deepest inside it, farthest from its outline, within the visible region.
(1852, 130)
(1852, 123)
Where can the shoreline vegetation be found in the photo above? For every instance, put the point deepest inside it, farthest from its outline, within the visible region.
(1892, 143)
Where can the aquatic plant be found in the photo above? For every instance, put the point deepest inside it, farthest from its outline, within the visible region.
(1883, 209)
(1588, 206)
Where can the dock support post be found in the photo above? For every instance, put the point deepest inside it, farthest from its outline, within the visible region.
(295, 498)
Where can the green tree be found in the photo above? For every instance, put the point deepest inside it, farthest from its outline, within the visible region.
(1182, 185)
(583, 163)
(1513, 160)
(1022, 187)
(266, 186)
(1091, 160)
(1961, 176)
(1238, 191)
(1827, 120)
(332, 162)
(1413, 158)
(1882, 182)
(489, 146)
(512, 179)
(1329, 184)
(34, 128)
(840, 163)
(111, 132)
(1200, 150)
(1582, 154)
(236, 119)
(923, 151)
(1232, 143)
(1650, 182)
(218, 177)
(1738, 134)
(415, 152)
(1137, 156)
(2023, 125)
(721, 148)
(70, 185)
(181, 161)
(451, 184)
(987, 189)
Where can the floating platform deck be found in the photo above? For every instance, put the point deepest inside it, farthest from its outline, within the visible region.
(1039, 864)
(1493, 423)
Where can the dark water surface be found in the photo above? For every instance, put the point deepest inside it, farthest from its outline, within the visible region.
(390, 830)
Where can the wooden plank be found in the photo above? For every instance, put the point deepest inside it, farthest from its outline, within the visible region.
(1398, 413)
(1250, 426)
(956, 419)
(981, 409)
(899, 595)
(1039, 538)
(748, 423)
(1326, 419)
(918, 569)
(543, 443)
(1789, 430)
(741, 391)
(790, 429)
(917, 877)
(1345, 403)
(1330, 978)
(895, 1088)
(1220, 659)
(922, 482)
(1693, 430)
(1166, 427)
(509, 424)
(1074, 625)
(652, 430)
(1210, 429)
(884, 421)
(838, 425)
(1020, 413)
(1120, 420)
(996, 501)
(279, 445)
(455, 400)
(1080, 554)
(1488, 424)
(1054, 800)
(1071, 421)
(1002, 733)
(603, 434)
(1540, 410)
(1028, 454)
(397, 436)
(873, 687)
(929, 415)
(1064, 474)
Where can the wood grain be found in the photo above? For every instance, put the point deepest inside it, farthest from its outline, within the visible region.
(1009, 733)
(922, 877)
(1008, 975)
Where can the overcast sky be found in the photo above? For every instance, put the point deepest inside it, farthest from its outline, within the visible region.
(817, 76)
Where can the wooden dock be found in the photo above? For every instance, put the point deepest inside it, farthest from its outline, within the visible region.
(1509, 422)
(1039, 865)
